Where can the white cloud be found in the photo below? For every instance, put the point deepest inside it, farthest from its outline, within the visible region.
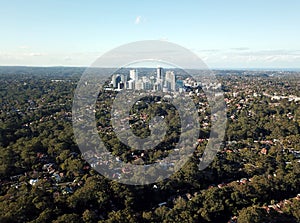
(240, 48)
(35, 54)
(245, 57)
(230, 58)
(67, 58)
(163, 38)
(24, 47)
(138, 20)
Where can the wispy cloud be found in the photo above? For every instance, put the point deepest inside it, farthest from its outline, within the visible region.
(246, 57)
(209, 50)
(212, 57)
(240, 48)
(24, 47)
(68, 58)
(278, 52)
(164, 38)
(35, 54)
(138, 20)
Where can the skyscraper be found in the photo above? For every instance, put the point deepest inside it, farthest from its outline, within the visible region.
(159, 72)
(130, 84)
(133, 74)
(170, 81)
(118, 81)
(115, 80)
(123, 78)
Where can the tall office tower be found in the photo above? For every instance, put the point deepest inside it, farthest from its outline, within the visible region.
(146, 83)
(133, 74)
(123, 78)
(130, 84)
(115, 80)
(159, 72)
(170, 81)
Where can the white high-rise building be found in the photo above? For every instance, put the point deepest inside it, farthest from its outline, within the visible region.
(170, 81)
(146, 83)
(123, 78)
(118, 81)
(115, 80)
(130, 84)
(133, 74)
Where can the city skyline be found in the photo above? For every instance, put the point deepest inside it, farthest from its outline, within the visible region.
(164, 81)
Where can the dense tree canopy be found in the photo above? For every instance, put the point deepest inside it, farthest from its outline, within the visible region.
(255, 177)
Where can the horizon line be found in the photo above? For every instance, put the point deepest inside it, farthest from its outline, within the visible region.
(209, 68)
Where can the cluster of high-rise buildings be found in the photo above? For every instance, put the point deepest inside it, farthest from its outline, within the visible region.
(164, 81)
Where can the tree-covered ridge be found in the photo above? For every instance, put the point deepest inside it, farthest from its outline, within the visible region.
(254, 178)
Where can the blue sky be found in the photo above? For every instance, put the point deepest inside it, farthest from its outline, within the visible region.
(225, 34)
